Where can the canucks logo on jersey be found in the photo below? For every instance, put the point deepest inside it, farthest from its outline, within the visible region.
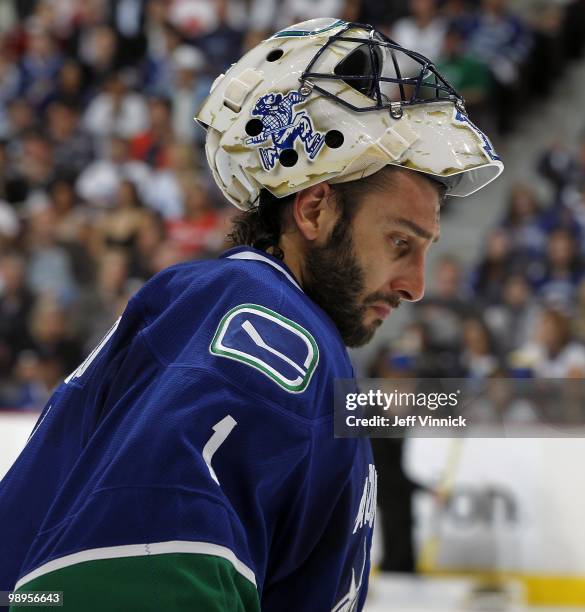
(283, 127)
(276, 346)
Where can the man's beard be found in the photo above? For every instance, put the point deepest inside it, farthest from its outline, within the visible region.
(335, 281)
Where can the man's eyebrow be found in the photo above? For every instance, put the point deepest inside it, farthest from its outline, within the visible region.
(415, 228)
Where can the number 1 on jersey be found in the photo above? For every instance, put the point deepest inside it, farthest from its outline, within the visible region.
(222, 431)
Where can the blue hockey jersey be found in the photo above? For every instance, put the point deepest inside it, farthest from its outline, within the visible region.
(189, 463)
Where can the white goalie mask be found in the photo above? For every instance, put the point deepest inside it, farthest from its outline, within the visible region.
(327, 100)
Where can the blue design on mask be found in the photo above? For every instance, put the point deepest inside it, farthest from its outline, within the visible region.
(284, 127)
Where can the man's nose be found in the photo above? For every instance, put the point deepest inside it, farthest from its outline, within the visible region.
(410, 283)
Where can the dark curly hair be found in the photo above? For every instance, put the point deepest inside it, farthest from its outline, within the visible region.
(261, 227)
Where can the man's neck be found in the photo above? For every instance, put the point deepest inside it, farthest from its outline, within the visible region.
(292, 258)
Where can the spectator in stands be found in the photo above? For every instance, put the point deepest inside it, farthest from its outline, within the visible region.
(193, 18)
(73, 228)
(39, 68)
(260, 19)
(295, 11)
(118, 227)
(52, 340)
(26, 390)
(579, 177)
(50, 269)
(441, 313)
(459, 14)
(62, 18)
(155, 25)
(512, 320)
(128, 19)
(21, 120)
(579, 318)
(502, 41)
(13, 187)
(546, 64)
(98, 50)
(499, 38)
(495, 265)
(9, 84)
(44, 18)
(561, 216)
(9, 225)
(90, 13)
(199, 232)
(554, 353)
(16, 302)
(116, 110)
(189, 88)
(558, 165)
(35, 162)
(573, 200)
(8, 17)
(470, 77)
(427, 358)
(383, 14)
(72, 146)
(99, 182)
(152, 145)
(103, 302)
(448, 285)
(157, 68)
(574, 28)
(151, 234)
(223, 43)
(564, 270)
(479, 356)
(166, 193)
(424, 30)
(447, 292)
(71, 87)
(502, 403)
(522, 221)
(167, 254)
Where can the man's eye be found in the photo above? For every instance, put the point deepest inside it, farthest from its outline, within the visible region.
(399, 242)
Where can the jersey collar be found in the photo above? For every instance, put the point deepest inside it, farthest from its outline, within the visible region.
(257, 255)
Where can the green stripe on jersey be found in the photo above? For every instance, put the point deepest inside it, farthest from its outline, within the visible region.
(170, 582)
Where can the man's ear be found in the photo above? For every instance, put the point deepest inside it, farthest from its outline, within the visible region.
(314, 211)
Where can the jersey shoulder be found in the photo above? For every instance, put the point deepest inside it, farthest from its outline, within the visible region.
(250, 324)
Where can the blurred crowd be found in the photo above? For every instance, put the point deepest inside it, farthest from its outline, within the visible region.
(103, 180)
(520, 310)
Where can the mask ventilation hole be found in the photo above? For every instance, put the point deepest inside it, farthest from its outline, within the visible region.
(334, 139)
(254, 127)
(288, 158)
(274, 55)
